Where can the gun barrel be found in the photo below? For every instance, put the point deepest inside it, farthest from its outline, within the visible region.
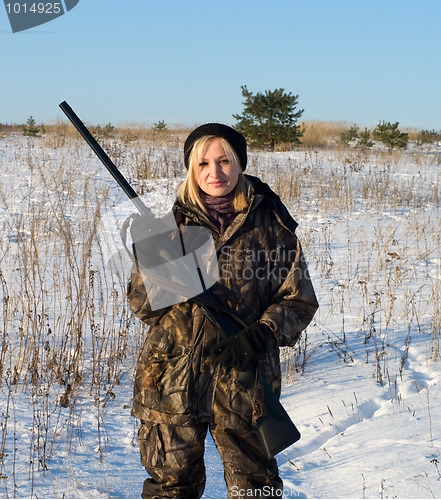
(102, 155)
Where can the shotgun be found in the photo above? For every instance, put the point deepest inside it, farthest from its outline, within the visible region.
(275, 428)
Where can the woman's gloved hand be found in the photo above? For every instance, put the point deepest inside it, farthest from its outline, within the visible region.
(244, 348)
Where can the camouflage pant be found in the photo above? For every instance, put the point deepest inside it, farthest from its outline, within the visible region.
(174, 458)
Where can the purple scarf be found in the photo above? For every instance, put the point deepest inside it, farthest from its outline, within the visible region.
(220, 209)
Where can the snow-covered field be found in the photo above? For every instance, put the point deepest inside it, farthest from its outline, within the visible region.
(363, 385)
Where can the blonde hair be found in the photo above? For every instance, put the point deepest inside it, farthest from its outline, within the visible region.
(188, 191)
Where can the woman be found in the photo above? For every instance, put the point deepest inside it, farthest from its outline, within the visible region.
(186, 380)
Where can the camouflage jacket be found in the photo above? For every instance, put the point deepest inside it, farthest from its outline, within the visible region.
(263, 277)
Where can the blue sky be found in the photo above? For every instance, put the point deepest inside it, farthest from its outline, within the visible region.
(141, 61)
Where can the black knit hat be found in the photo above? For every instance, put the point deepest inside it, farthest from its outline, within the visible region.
(236, 139)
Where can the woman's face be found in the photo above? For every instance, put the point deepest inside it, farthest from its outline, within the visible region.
(216, 175)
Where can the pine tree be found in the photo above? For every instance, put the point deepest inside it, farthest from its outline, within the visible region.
(160, 126)
(365, 139)
(349, 135)
(428, 137)
(30, 129)
(389, 134)
(105, 130)
(269, 118)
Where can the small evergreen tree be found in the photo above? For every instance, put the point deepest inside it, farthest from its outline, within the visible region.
(364, 140)
(389, 134)
(30, 128)
(428, 137)
(349, 135)
(160, 126)
(269, 118)
(105, 130)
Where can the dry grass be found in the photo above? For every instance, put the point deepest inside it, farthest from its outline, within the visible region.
(319, 134)
(65, 324)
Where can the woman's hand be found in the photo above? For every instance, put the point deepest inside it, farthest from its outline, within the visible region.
(246, 347)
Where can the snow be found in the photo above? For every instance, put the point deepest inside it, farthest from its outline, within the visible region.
(363, 385)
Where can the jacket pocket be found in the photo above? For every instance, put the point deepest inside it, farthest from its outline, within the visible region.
(163, 379)
(151, 447)
(239, 400)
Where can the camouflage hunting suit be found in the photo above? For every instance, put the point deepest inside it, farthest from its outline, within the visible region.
(180, 391)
